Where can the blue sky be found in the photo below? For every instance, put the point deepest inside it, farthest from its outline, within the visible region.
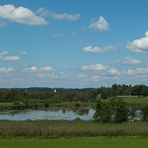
(71, 43)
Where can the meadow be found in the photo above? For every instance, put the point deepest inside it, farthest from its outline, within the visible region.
(141, 101)
(6, 104)
(129, 142)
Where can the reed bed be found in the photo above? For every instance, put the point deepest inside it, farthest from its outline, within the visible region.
(55, 129)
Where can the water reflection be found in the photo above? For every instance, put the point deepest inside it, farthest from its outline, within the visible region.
(52, 114)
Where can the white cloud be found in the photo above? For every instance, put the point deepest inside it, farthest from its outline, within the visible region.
(4, 70)
(98, 49)
(65, 16)
(51, 75)
(113, 72)
(31, 69)
(60, 75)
(4, 56)
(46, 68)
(20, 15)
(46, 72)
(112, 75)
(140, 44)
(131, 61)
(137, 71)
(146, 33)
(105, 70)
(97, 67)
(11, 58)
(58, 16)
(100, 25)
(39, 69)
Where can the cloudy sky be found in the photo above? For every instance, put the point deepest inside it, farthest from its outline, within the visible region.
(73, 43)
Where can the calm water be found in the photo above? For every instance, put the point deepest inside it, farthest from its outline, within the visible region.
(56, 114)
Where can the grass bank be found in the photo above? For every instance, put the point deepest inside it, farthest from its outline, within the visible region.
(13, 106)
(129, 142)
(56, 129)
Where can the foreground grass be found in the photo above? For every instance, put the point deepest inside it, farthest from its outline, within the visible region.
(54, 129)
(129, 142)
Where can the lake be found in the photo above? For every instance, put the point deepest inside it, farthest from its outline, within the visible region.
(50, 114)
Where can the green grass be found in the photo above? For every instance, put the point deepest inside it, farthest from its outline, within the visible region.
(6, 104)
(137, 100)
(129, 142)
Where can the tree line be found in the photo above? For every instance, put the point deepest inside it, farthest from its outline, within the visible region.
(69, 95)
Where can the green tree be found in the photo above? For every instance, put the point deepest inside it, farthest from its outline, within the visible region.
(119, 109)
(114, 110)
(145, 113)
(103, 111)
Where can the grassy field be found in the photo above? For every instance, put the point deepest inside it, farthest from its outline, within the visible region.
(137, 100)
(129, 142)
(6, 104)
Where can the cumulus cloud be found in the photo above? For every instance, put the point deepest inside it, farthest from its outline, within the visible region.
(4, 56)
(20, 15)
(97, 67)
(140, 44)
(98, 49)
(113, 72)
(137, 72)
(100, 25)
(60, 75)
(51, 75)
(131, 61)
(4, 70)
(31, 69)
(39, 69)
(105, 70)
(46, 68)
(96, 77)
(58, 16)
(46, 72)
